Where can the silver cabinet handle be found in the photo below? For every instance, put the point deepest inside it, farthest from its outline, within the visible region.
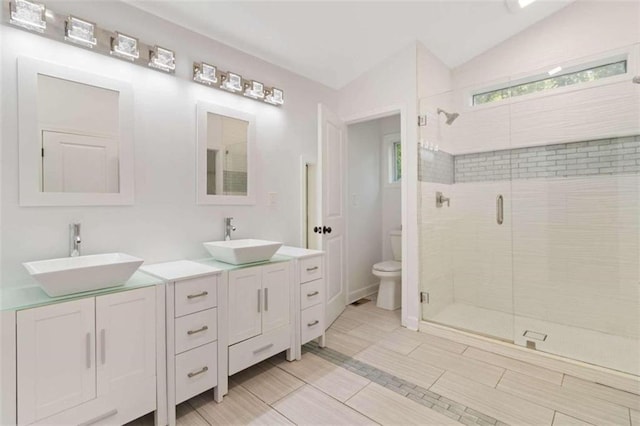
(88, 350)
(264, 348)
(313, 293)
(266, 299)
(499, 210)
(193, 296)
(99, 418)
(195, 373)
(103, 345)
(312, 323)
(312, 269)
(259, 300)
(200, 330)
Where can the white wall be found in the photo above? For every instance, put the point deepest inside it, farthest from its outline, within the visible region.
(364, 218)
(164, 223)
(387, 88)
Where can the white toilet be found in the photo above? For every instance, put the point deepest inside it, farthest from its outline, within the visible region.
(390, 274)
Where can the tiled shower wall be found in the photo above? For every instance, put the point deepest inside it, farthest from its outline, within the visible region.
(587, 158)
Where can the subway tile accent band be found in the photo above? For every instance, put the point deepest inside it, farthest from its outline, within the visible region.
(436, 402)
(589, 158)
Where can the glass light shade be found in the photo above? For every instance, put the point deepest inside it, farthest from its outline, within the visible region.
(232, 83)
(275, 97)
(205, 73)
(80, 31)
(162, 59)
(28, 15)
(254, 90)
(125, 46)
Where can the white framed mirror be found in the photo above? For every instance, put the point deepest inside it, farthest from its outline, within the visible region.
(75, 137)
(225, 149)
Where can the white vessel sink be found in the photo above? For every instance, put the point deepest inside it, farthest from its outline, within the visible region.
(239, 252)
(68, 275)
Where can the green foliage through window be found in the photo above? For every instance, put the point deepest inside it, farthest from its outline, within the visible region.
(397, 161)
(563, 80)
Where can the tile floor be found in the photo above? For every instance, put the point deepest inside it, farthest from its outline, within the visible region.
(376, 372)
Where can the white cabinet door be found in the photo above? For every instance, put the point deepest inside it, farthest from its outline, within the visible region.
(126, 342)
(275, 286)
(56, 359)
(245, 304)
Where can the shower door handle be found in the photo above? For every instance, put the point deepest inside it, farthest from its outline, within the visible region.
(499, 209)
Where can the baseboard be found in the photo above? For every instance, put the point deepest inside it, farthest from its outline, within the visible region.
(363, 292)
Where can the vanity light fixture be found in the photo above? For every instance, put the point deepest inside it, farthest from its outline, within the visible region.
(231, 82)
(275, 96)
(79, 31)
(29, 15)
(204, 73)
(254, 90)
(125, 46)
(162, 59)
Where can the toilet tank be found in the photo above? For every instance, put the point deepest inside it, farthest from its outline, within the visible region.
(396, 244)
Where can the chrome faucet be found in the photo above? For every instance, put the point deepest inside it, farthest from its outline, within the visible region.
(228, 227)
(74, 240)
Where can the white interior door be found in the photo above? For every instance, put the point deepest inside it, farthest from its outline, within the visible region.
(56, 359)
(332, 153)
(79, 163)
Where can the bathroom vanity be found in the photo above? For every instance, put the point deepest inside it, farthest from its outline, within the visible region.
(84, 358)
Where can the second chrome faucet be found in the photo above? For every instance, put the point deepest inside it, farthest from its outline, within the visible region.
(74, 240)
(228, 228)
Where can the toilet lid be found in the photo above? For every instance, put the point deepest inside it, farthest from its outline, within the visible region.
(388, 266)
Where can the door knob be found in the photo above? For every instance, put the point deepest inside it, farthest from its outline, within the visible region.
(326, 229)
(315, 229)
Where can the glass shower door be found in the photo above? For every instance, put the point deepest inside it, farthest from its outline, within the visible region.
(465, 241)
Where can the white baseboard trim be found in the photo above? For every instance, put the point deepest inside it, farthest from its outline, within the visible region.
(411, 323)
(363, 292)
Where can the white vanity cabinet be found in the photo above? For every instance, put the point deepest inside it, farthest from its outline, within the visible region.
(259, 313)
(87, 361)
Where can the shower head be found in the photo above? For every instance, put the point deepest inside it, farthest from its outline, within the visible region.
(451, 116)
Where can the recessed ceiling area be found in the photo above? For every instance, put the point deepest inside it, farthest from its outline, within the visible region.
(335, 42)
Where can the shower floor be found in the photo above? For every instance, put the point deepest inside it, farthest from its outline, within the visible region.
(607, 350)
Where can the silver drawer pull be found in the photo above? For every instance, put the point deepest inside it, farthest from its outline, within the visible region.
(312, 269)
(312, 323)
(202, 370)
(264, 348)
(200, 330)
(193, 296)
(313, 293)
(99, 418)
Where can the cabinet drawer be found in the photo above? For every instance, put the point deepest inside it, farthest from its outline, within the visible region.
(195, 295)
(311, 294)
(311, 323)
(196, 371)
(196, 329)
(310, 269)
(256, 349)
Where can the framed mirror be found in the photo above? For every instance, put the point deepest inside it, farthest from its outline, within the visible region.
(75, 137)
(225, 147)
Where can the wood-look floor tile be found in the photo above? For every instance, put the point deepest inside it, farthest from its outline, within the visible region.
(240, 407)
(607, 393)
(412, 370)
(575, 404)
(309, 406)
(479, 371)
(493, 402)
(267, 382)
(399, 343)
(344, 325)
(329, 378)
(635, 418)
(186, 415)
(514, 365)
(381, 322)
(369, 333)
(430, 339)
(621, 381)
(561, 419)
(344, 343)
(389, 408)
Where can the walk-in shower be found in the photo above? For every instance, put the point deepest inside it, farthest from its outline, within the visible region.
(540, 243)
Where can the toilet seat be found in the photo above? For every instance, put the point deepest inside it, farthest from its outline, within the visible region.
(388, 266)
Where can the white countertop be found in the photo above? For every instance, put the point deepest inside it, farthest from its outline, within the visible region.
(297, 252)
(179, 270)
